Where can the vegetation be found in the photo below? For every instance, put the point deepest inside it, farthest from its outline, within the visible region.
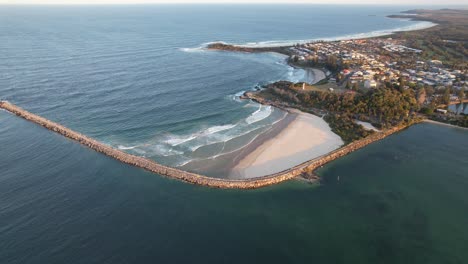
(384, 107)
(345, 127)
(461, 121)
(446, 42)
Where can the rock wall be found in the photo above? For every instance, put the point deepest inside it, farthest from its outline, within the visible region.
(194, 178)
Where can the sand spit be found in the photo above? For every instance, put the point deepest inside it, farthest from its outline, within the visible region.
(306, 137)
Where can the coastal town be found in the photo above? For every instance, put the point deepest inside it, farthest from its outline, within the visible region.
(385, 80)
(372, 63)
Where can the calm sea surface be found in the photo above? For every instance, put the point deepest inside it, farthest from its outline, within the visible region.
(135, 78)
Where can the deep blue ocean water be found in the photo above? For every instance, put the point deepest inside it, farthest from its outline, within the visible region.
(135, 77)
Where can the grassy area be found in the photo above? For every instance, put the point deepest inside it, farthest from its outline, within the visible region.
(324, 87)
(448, 41)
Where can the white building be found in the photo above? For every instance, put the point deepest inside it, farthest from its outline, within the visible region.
(370, 84)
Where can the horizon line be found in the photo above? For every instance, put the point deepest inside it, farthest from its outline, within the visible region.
(460, 6)
(299, 2)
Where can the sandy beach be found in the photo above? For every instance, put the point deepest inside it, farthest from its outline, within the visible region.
(305, 138)
(367, 125)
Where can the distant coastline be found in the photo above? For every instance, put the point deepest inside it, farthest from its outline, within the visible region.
(283, 137)
(252, 160)
(275, 46)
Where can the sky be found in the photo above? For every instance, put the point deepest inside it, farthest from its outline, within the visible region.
(395, 2)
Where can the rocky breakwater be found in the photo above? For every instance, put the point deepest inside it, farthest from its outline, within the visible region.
(312, 165)
(305, 169)
(147, 164)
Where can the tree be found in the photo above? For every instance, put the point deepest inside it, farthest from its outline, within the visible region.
(429, 91)
(446, 96)
(461, 94)
(421, 95)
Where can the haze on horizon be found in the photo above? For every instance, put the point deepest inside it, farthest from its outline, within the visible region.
(393, 2)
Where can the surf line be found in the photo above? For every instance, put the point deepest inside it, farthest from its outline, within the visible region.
(190, 177)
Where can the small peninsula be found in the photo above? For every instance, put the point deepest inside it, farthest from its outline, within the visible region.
(372, 85)
(364, 91)
(386, 80)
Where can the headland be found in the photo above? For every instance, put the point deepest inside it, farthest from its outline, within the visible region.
(390, 83)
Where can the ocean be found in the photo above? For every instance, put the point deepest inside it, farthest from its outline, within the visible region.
(137, 78)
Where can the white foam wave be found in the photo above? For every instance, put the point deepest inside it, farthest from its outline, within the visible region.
(126, 148)
(201, 48)
(176, 140)
(217, 129)
(236, 96)
(224, 138)
(191, 50)
(249, 142)
(276, 43)
(212, 135)
(163, 150)
(183, 162)
(242, 131)
(239, 94)
(260, 114)
(150, 149)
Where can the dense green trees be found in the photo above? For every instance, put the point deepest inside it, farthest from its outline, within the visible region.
(385, 105)
(344, 126)
(446, 96)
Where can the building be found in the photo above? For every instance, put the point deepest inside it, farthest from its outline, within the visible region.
(370, 84)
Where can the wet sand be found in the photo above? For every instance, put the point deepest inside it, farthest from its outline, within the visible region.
(305, 138)
(221, 167)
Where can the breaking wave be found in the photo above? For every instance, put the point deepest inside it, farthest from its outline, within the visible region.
(178, 140)
(262, 113)
(375, 33)
(200, 48)
(126, 148)
(184, 148)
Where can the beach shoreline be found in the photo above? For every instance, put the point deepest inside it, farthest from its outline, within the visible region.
(443, 124)
(304, 138)
(304, 169)
(224, 164)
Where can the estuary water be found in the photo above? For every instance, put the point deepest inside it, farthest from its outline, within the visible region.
(459, 108)
(135, 78)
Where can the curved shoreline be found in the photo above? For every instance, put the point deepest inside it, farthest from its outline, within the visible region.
(152, 166)
(274, 45)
